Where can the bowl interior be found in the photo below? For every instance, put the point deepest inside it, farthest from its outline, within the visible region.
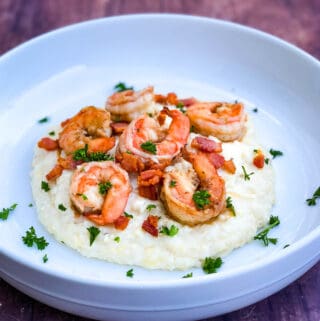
(57, 74)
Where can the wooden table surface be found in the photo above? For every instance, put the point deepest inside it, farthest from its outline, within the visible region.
(297, 21)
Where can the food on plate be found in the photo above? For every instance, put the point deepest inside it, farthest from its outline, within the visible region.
(163, 182)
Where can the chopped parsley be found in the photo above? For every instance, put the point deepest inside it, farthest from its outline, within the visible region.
(275, 153)
(172, 231)
(83, 155)
(150, 207)
(246, 175)
(130, 273)
(128, 215)
(263, 235)
(211, 265)
(266, 160)
(45, 258)
(43, 120)
(117, 239)
(172, 183)
(61, 207)
(180, 106)
(149, 146)
(6, 211)
(45, 186)
(192, 129)
(121, 86)
(94, 232)
(255, 110)
(104, 187)
(31, 238)
(30, 205)
(287, 245)
(84, 196)
(52, 133)
(230, 206)
(201, 198)
(189, 275)
(312, 201)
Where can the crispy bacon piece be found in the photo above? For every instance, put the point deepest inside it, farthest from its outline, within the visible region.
(148, 183)
(171, 99)
(54, 173)
(216, 160)
(130, 162)
(121, 222)
(68, 162)
(229, 166)
(206, 145)
(258, 160)
(118, 127)
(150, 225)
(48, 144)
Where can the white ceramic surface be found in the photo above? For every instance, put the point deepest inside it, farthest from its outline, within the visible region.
(56, 74)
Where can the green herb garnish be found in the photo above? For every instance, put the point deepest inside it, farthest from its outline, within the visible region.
(210, 264)
(83, 155)
(130, 273)
(31, 238)
(201, 198)
(275, 153)
(84, 196)
(287, 245)
(30, 205)
(255, 110)
(6, 211)
(61, 207)
(128, 215)
(94, 232)
(263, 235)
(189, 275)
(312, 201)
(52, 133)
(121, 86)
(172, 183)
(246, 175)
(149, 146)
(230, 206)
(266, 160)
(45, 258)
(45, 186)
(172, 231)
(180, 106)
(150, 207)
(43, 120)
(117, 239)
(192, 129)
(104, 187)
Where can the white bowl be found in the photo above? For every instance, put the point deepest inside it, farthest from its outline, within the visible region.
(57, 73)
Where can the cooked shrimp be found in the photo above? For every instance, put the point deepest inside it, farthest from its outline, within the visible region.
(225, 121)
(91, 126)
(152, 142)
(183, 181)
(129, 104)
(100, 191)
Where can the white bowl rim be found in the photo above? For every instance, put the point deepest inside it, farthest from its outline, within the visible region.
(248, 268)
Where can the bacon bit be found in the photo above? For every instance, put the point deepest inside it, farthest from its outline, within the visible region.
(148, 183)
(68, 162)
(121, 222)
(171, 99)
(216, 160)
(229, 166)
(130, 162)
(206, 145)
(187, 102)
(149, 192)
(48, 144)
(54, 173)
(118, 127)
(150, 177)
(258, 160)
(150, 225)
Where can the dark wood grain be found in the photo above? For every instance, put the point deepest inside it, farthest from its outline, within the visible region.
(297, 21)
